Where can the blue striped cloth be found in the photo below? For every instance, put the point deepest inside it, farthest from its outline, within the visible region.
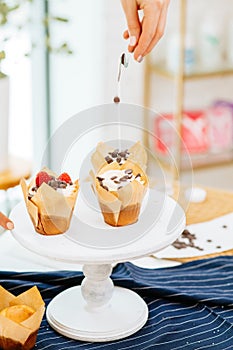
(191, 306)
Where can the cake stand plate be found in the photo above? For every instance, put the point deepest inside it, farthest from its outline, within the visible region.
(97, 311)
(69, 315)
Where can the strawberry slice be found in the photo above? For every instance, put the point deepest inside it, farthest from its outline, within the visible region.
(65, 177)
(41, 177)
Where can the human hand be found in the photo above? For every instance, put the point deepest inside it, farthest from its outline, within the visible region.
(5, 222)
(144, 35)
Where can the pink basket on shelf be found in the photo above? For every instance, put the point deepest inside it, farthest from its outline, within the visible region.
(220, 127)
(195, 134)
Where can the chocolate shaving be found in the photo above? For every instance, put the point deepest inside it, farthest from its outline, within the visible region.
(191, 237)
(108, 159)
(122, 154)
(179, 245)
(105, 187)
(114, 154)
(124, 178)
(117, 155)
(100, 178)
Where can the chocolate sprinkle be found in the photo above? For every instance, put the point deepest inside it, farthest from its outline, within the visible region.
(117, 155)
(116, 99)
(124, 178)
(114, 154)
(108, 159)
(100, 178)
(128, 171)
(113, 177)
(224, 226)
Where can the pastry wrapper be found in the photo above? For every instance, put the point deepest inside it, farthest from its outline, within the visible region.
(20, 336)
(49, 210)
(121, 207)
(137, 155)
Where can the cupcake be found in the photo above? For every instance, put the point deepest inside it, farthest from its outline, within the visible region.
(120, 189)
(50, 201)
(104, 154)
(20, 319)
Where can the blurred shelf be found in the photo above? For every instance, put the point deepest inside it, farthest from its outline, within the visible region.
(200, 160)
(17, 169)
(180, 78)
(161, 70)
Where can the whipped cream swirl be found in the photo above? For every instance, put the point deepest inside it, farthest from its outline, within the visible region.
(114, 180)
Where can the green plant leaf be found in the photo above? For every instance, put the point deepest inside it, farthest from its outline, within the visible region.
(2, 55)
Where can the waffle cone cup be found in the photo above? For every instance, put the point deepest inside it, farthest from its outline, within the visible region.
(49, 210)
(20, 336)
(137, 154)
(121, 207)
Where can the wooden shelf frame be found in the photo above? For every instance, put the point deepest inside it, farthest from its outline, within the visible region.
(161, 70)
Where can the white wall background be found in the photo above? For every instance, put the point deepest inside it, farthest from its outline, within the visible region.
(18, 67)
(88, 77)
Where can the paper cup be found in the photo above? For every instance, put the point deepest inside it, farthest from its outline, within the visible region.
(49, 210)
(23, 335)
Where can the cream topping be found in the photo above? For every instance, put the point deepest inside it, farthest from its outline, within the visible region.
(114, 180)
(66, 191)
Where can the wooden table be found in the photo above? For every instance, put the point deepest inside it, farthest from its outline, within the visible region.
(17, 169)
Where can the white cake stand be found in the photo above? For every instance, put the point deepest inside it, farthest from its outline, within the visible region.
(97, 311)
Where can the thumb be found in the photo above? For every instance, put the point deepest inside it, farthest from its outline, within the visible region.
(5, 222)
(134, 26)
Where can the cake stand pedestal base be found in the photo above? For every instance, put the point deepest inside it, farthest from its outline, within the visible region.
(96, 311)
